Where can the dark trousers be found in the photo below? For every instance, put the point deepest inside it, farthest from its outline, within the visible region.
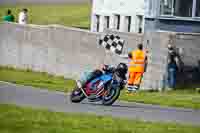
(172, 77)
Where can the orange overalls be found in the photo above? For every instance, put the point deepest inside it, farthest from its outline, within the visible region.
(136, 67)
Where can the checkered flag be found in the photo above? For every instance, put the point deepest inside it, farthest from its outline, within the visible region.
(112, 43)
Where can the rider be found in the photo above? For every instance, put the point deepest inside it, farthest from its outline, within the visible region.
(92, 75)
(105, 69)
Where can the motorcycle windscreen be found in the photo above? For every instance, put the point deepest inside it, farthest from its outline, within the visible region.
(85, 76)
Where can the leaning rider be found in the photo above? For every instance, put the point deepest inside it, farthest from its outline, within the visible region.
(96, 73)
(121, 68)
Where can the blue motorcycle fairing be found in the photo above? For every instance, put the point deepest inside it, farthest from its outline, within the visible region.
(104, 78)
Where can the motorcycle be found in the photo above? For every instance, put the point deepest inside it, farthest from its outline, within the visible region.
(105, 88)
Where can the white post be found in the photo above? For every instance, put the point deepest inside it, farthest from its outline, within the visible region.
(194, 8)
(122, 26)
(112, 22)
(157, 8)
(101, 23)
(126, 24)
(143, 24)
(133, 23)
(173, 10)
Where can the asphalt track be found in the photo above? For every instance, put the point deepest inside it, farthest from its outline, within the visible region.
(59, 102)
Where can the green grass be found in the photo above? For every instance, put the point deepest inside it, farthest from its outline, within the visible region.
(25, 120)
(36, 79)
(76, 15)
(178, 98)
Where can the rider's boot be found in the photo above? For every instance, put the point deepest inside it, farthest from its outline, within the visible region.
(131, 90)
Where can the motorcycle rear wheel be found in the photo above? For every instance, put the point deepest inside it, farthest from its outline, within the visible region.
(112, 95)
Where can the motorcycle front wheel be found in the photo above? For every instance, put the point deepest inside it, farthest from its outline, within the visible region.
(77, 95)
(111, 96)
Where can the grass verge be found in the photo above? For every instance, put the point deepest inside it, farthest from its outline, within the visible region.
(76, 15)
(179, 98)
(23, 120)
(36, 79)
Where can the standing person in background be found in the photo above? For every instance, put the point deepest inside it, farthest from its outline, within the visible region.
(137, 64)
(9, 17)
(23, 16)
(173, 66)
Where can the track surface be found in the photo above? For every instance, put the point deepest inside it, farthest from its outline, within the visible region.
(58, 101)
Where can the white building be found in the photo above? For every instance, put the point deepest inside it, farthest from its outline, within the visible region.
(122, 15)
(144, 15)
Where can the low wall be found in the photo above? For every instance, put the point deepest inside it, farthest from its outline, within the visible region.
(53, 49)
(189, 49)
(156, 43)
(68, 51)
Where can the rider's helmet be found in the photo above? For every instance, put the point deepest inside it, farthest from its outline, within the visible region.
(122, 68)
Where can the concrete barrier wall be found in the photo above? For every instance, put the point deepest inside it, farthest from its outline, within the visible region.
(53, 49)
(68, 51)
(189, 48)
(157, 47)
(157, 59)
